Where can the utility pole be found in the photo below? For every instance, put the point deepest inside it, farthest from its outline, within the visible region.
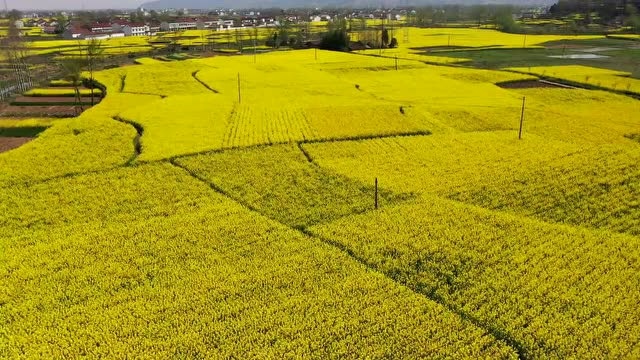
(239, 97)
(521, 118)
(376, 195)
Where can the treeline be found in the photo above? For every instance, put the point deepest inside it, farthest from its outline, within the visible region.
(452, 14)
(579, 15)
(600, 11)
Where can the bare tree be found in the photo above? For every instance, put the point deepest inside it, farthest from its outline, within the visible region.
(238, 39)
(72, 68)
(20, 78)
(94, 54)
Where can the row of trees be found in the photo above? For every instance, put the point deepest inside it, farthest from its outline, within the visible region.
(337, 36)
(20, 78)
(22, 75)
(605, 11)
(449, 14)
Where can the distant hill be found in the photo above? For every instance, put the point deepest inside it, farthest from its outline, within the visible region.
(245, 4)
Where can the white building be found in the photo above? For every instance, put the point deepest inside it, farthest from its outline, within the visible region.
(132, 29)
(176, 26)
(104, 36)
(101, 28)
(75, 33)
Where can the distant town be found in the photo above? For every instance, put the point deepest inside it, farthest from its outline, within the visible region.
(107, 24)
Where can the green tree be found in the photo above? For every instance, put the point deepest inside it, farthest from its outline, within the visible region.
(239, 40)
(633, 18)
(505, 22)
(385, 38)
(14, 15)
(62, 23)
(336, 39)
(136, 16)
(284, 29)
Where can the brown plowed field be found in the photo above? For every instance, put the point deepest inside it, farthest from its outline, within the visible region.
(9, 143)
(527, 84)
(38, 111)
(50, 99)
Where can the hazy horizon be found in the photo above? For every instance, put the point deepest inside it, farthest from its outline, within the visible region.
(72, 4)
(26, 5)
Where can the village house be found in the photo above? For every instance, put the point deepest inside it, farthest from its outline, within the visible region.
(104, 36)
(319, 18)
(50, 28)
(131, 29)
(75, 33)
(101, 28)
(78, 33)
(182, 24)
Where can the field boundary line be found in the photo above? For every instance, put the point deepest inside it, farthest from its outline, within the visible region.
(577, 85)
(306, 154)
(63, 176)
(137, 143)
(144, 93)
(170, 159)
(496, 333)
(195, 76)
(308, 141)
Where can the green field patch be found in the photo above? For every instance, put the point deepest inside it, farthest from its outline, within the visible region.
(20, 131)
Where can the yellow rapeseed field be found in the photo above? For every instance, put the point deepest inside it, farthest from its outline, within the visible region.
(601, 78)
(554, 291)
(423, 43)
(313, 204)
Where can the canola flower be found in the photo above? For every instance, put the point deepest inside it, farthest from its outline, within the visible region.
(200, 277)
(553, 291)
(61, 92)
(179, 218)
(586, 75)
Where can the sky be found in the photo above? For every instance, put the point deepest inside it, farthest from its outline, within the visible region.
(71, 4)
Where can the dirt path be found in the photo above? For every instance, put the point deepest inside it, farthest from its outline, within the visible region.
(531, 84)
(9, 143)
